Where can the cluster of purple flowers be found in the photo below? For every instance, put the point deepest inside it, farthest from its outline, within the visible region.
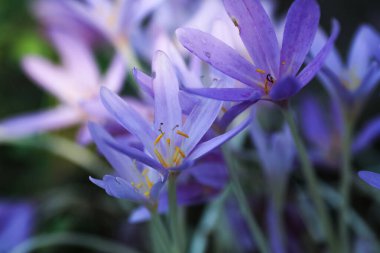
(238, 65)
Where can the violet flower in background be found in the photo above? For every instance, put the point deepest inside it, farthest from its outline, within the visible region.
(371, 178)
(170, 143)
(274, 73)
(17, 221)
(76, 83)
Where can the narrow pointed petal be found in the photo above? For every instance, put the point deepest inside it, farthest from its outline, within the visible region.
(233, 112)
(228, 94)
(256, 32)
(367, 135)
(371, 178)
(23, 125)
(207, 146)
(315, 65)
(285, 88)
(210, 174)
(369, 81)
(364, 46)
(167, 110)
(144, 81)
(129, 118)
(118, 188)
(219, 55)
(115, 76)
(199, 121)
(300, 28)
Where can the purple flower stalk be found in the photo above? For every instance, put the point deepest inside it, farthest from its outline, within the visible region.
(174, 140)
(274, 72)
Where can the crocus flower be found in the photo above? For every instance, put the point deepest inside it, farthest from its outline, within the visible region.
(17, 220)
(172, 141)
(132, 180)
(371, 178)
(75, 83)
(274, 73)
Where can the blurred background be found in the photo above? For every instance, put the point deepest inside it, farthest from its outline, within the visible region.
(55, 186)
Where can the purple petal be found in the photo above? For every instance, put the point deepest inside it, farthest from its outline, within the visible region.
(21, 126)
(118, 188)
(115, 76)
(228, 94)
(210, 174)
(365, 43)
(129, 118)
(370, 178)
(369, 81)
(207, 146)
(315, 65)
(144, 81)
(300, 28)
(219, 55)
(233, 112)
(285, 88)
(167, 110)
(257, 33)
(369, 133)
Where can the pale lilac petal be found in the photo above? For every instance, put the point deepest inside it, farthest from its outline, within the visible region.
(210, 174)
(207, 146)
(199, 121)
(144, 81)
(51, 78)
(256, 32)
(232, 113)
(300, 28)
(115, 75)
(83, 136)
(315, 65)
(167, 110)
(369, 81)
(285, 88)
(129, 118)
(118, 188)
(77, 59)
(21, 126)
(365, 43)
(228, 94)
(370, 178)
(369, 134)
(219, 55)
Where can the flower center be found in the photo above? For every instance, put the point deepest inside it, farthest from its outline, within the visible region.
(268, 82)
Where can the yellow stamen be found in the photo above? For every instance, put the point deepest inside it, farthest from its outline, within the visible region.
(158, 138)
(168, 141)
(160, 158)
(224, 109)
(260, 71)
(174, 158)
(147, 194)
(145, 172)
(180, 152)
(133, 184)
(182, 134)
(266, 87)
(139, 185)
(148, 182)
(283, 62)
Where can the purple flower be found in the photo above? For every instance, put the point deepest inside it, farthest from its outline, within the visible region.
(174, 139)
(75, 83)
(275, 73)
(16, 223)
(132, 180)
(371, 178)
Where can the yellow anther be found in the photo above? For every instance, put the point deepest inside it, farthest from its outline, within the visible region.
(148, 182)
(145, 172)
(168, 141)
(182, 134)
(283, 62)
(180, 152)
(266, 87)
(158, 138)
(175, 156)
(147, 194)
(160, 158)
(260, 71)
(133, 184)
(139, 185)
(224, 109)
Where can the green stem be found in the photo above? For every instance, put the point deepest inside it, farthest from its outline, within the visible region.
(311, 180)
(253, 226)
(160, 232)
(345, 184)
(175, 229)
(72, 239)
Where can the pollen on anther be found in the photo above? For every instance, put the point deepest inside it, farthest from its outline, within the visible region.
(147, 194)
(168, 141)
(261, 71)
(182, 134)
(160, 158)
(283, 62)
(157, 140)
(180, 152)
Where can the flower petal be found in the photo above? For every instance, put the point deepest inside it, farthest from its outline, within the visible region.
(228, 94)
(233, 112)
(256, 32)
(300, 28)
(144, 81)
(115, 76)
(367, 135)
(369, 81)
(129, 118)
(21, 126)
(285, 88)
(315, 65)
(219, 55)
(118, 188)
(371, 178)
(209, 145)
(167, 110)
